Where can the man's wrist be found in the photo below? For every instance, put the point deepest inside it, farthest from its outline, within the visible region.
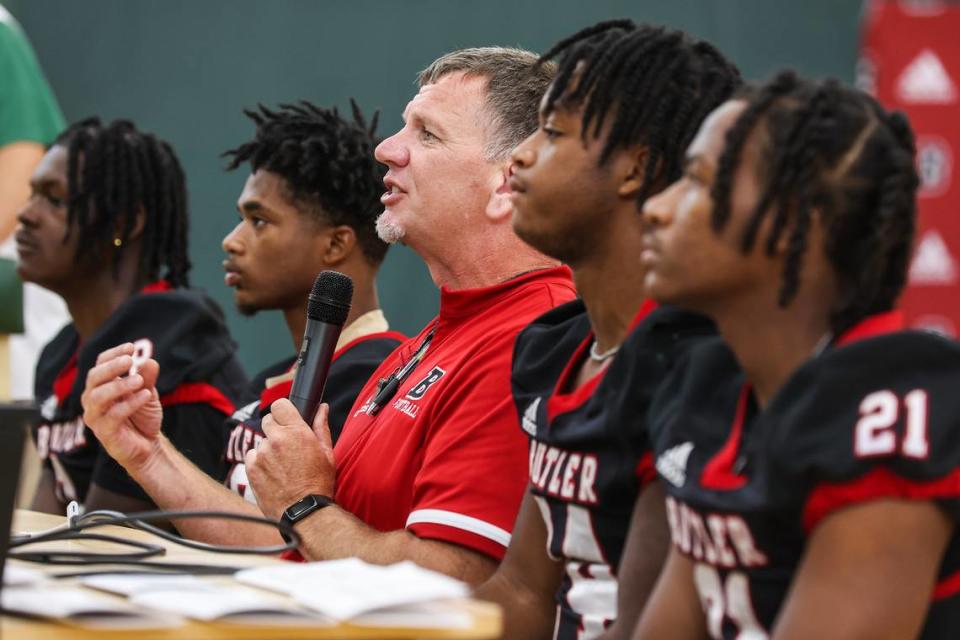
(303, 509)
(157, 460)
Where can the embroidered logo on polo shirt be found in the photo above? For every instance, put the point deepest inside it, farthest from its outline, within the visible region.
(420, 389)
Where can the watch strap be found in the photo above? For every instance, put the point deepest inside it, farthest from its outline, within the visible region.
(303, 508)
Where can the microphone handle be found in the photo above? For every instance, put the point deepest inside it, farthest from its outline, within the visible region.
(313, 365)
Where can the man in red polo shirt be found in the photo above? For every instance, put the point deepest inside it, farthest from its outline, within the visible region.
(430, 465)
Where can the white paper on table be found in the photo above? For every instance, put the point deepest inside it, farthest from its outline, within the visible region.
(132, 584)
(344, 589)
(423, 615)
(82, 607)
(16, 575)
(230, 604)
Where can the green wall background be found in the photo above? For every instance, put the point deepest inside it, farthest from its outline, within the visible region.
(185, 68)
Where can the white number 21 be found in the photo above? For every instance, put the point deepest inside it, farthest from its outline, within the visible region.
(728, 599)
(880, 412)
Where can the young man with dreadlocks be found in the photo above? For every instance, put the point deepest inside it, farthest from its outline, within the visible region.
(309, 205)
(627, 100)
(106, 228)
(812, 455)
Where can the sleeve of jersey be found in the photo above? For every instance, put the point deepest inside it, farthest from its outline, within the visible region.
(474, 471)
(649, 369)
(198, 430)
(865, 436)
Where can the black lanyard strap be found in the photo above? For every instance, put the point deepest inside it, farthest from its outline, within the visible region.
(387, 387)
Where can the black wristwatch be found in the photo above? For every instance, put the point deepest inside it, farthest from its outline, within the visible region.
(302, 508)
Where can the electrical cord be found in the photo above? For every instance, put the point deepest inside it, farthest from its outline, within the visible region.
(77, 524)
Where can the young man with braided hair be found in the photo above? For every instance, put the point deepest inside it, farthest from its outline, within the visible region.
(106, 228)
(811, 456)
(309, 204)
(627, 100)
(430, 466)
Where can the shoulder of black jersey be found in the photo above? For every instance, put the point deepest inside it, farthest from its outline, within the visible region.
(679, 321)
(651, 352)
(372, 346)
(890, 400)
(355, 364)
(350, 371)
(189, 335)
(544, 347)
(705, 378)
(53, 358)
(259, 381)
(666, 329)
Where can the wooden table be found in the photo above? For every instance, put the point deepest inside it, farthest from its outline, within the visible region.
(486, 616)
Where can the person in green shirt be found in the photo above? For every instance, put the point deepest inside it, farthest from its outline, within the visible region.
(29, 120)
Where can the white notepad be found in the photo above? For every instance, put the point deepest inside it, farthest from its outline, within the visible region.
(236, 605)
(348, 589)
(133, 584)
(83, 607)
(18, 575)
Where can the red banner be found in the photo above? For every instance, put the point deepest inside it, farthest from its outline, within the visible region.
(911, 61)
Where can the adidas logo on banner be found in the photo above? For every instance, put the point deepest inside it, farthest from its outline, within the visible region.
(529, 421)
(672, 463)
(926, 81)
(932, 263)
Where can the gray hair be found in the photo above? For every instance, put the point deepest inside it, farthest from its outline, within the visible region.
(515, 84)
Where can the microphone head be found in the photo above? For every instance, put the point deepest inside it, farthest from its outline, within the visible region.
(330, 298)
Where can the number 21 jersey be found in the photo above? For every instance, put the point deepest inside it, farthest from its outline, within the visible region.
(875, 416)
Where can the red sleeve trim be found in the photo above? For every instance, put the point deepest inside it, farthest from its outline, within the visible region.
(878, 483)
(394, 335)
(646, 470)
(199, 393)
(948, 587)
(433, 531)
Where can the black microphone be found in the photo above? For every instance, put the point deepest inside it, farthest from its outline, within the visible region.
(327, 309)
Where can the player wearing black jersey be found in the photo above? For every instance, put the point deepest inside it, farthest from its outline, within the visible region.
(309, 204)
(811, 457)
(106, 229)
(613, 127)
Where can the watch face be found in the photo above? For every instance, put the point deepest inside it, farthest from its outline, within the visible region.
(305, 505)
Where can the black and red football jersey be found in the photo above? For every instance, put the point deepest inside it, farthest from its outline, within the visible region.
(199, 384)
(352, 366)
(876, 415)
(589, 457)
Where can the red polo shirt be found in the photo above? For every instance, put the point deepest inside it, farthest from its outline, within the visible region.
(444, 457)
